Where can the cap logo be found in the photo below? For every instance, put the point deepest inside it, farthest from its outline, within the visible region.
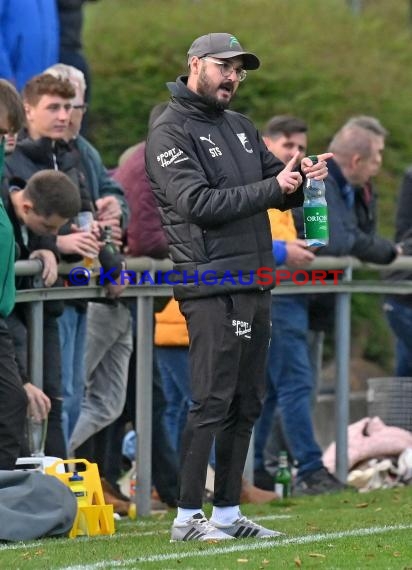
(234, 42)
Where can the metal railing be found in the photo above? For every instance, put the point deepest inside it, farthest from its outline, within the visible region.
(144, 296)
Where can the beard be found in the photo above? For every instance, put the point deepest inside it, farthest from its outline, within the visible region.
(208, 92)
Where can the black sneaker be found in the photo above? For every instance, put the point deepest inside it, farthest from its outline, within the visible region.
(317, 483)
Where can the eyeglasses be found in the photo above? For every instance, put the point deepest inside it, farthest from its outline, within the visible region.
(81, 107)
(227, 68)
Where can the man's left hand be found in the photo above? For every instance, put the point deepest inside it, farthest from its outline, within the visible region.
(50, 271)
(318, 171)
(108, 207)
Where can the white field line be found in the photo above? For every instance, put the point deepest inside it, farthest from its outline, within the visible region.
(168, 523)
(20, 545)
(138, 524)
(260, 544)
(37, 544)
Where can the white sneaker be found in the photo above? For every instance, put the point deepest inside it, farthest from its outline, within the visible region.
(197, 528)
(245, 528)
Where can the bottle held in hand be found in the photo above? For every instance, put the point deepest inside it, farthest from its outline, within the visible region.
(315, 212)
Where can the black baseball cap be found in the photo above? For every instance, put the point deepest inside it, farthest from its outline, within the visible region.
(222, 46)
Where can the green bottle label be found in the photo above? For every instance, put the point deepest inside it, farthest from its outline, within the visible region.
(316, 222)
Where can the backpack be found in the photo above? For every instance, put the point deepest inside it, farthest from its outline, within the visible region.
(34, 505)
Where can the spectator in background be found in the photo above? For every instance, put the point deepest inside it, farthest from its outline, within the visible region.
(47, 103)
(352, 199)
(357, 149)
(89, 356)
(29, 37)
(106, 193)
(357, 157)
(13, 399)
(398, 308)
(111, 209)
(37, 212)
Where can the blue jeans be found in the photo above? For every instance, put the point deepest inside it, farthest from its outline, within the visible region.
(72, 334)
(173, 366)
(400, 320)
(290, 384)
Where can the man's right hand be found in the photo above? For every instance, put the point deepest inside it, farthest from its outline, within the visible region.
(297, 253)
(80, 243)
(288, 180)
(39, 404)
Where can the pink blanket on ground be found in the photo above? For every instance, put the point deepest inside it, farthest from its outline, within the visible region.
(370, 438)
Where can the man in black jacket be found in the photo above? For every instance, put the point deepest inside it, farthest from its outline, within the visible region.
(214, 181)
(357, 158)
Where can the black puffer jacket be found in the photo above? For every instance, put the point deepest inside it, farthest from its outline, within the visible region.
(30, 156)
(214, 180)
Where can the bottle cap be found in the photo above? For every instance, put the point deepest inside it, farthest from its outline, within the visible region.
(107, 233)
(313, 158)
(76, 477)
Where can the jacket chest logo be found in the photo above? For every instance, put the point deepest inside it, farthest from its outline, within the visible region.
(245, 142)
(214, 150)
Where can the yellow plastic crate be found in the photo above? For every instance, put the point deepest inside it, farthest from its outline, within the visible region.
(93, 517)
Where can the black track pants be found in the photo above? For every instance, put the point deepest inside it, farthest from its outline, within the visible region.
(229, 339)
(13, 402)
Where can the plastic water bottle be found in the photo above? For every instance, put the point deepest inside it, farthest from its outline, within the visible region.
(315, 211)
(283, 477)
(77, 487)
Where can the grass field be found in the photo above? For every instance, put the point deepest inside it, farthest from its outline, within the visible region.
(347, 531)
